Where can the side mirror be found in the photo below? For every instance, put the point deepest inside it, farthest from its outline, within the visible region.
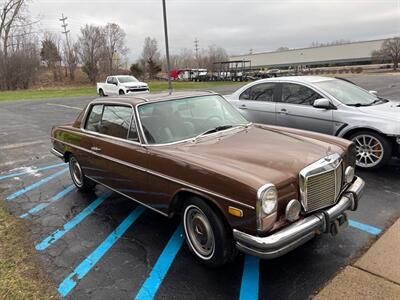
(373, 92)
(322, 103)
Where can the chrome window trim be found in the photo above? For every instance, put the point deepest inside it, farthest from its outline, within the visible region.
(181, 182)
(181, 141)
(116, 103)
(317, 168)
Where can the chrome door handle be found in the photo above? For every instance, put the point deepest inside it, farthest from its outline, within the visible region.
(243, 106)
(97, 149)
(283, 111)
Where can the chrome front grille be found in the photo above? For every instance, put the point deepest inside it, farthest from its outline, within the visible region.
(321, 182)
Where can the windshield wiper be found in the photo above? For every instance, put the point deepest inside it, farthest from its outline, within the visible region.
(218, 128)
(359, 104)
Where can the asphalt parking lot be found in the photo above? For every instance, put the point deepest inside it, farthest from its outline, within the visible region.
(103, 246)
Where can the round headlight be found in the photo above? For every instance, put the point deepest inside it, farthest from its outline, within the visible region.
(349, 174)
(269, 200)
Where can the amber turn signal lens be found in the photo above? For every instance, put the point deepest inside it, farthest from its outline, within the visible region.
(235, 211)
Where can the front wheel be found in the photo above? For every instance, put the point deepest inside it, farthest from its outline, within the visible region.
(121, 92)
(373, 150)
(207, 235)
(83, 183)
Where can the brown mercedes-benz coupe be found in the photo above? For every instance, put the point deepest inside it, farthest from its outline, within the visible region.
(264, 190)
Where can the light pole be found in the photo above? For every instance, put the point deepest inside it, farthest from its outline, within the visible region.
(166, 46)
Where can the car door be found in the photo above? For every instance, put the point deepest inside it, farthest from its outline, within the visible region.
(295, 109)
(257, 103)
(110, 85)
(118, 160)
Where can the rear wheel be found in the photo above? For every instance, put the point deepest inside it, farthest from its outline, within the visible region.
(207, 235)
(121, 92)
(101, 93)
(373, 150)
(78, 178)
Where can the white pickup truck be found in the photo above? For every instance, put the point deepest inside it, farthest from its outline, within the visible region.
(121, 85)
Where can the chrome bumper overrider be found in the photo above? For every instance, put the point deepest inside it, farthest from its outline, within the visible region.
(57, 153)
(299, 232)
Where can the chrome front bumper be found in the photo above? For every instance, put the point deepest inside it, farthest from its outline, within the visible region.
(299, 232)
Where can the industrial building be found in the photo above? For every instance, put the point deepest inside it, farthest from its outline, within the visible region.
(355, 53)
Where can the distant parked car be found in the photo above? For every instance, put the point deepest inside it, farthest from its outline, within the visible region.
(326, 105)
(121, 85)
(236, 185)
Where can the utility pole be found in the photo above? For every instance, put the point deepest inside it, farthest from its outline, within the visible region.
(167, 46)
(64, 26)
(196, 50)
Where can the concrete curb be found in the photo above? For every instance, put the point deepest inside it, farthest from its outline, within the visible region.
(376, 275)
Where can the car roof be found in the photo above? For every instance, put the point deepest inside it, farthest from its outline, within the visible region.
(300, 79)
(139, 98)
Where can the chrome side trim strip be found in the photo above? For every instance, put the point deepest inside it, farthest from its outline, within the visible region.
(181, 182)
(125, 195)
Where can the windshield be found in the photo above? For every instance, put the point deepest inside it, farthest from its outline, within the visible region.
(181, 119)
(127, 79)
(347, 93)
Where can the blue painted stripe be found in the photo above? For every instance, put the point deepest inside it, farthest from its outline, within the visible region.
(250, 278)
(53, 199)
(365, 227)
(160, 269)
(59, 233)
(89, 262)
(31, 170)
(35, 185)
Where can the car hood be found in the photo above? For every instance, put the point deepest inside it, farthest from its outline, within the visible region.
(136, 84)
(389, 110)
(257, 155)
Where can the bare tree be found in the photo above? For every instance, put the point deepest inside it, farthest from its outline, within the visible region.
(71, 58)
(283, 48)
(151, 57)
(19, 59)
(91, 42)
(114, 45)
(391, 49)
(50, 54)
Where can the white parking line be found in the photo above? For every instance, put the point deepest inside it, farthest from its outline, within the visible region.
(23, 144)
(66, 106)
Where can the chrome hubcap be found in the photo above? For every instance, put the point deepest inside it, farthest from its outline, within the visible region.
(199, 232)
(369, 151)
(76, 171)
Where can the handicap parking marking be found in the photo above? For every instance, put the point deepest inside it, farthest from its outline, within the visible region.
(31, 170)
(53, 199)
(161, 267)
(35, 185)
(90, 261)
(59, 233)
(250, 278)
(365, 227)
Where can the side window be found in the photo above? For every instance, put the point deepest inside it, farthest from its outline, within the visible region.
(94, 119)
(115, 81)
(116, 121)
(259, 92)
(245, 95)
(133, 133)
(298, 94)
(110, 80)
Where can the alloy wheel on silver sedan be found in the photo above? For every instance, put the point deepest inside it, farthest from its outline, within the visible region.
(370, 150)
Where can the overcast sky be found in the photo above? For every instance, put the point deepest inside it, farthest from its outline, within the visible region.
(236, 25)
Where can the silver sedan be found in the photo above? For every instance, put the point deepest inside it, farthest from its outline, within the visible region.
(326, 105)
